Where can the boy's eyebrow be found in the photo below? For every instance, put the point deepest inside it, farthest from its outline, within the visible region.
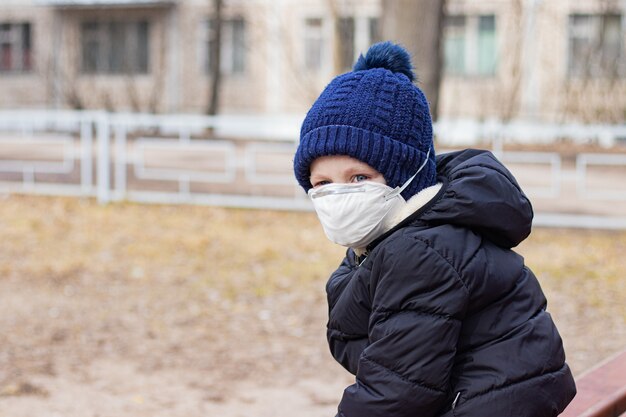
(318, 177)
(362, 168)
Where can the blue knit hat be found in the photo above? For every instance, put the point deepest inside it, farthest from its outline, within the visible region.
(374, 114)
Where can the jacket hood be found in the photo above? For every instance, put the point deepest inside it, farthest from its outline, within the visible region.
(481, 194)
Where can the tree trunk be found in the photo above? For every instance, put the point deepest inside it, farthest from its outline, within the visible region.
(418, 26)
(215, 52)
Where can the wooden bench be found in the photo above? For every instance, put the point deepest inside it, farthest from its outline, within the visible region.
(601, 390)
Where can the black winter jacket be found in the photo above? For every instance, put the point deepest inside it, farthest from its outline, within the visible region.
(442, 318)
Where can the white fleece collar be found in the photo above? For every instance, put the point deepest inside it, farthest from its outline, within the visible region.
(415, 203)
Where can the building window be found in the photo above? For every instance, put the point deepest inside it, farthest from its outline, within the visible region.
(313, 43)
(115, 47)
(233, 45)
(486, 64)
(353, 35)
(15, 47)
(454, 45)
(595, 46)
(345, 31)
(470, 45)
(374, 30)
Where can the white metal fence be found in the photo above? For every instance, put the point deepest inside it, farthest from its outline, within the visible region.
(151, 158)
(175, 159)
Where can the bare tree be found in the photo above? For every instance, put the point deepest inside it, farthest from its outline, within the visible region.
(307, 83)
(215, 60)
(594, 88)
(511, 73)
(418, 26)
(60, 72)
(336, 45)
(159, 70)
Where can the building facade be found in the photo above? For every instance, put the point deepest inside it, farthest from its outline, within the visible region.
(539, 60)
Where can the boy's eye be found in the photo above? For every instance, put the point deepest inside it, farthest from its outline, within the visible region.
(320, 183)
(359, 178)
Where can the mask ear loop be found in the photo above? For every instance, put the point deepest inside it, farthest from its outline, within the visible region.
(396, 191)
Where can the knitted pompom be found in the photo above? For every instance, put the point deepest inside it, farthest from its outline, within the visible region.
(386, 55)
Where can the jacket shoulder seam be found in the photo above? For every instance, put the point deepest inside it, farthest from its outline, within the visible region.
(445, 259)
(389, 312)
(518, 382)
(402, 377)
(341, 332)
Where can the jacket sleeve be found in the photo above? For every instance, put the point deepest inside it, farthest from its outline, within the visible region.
(346, 344)
(418, 301)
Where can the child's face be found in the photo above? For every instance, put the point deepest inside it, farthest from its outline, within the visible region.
(342, 169)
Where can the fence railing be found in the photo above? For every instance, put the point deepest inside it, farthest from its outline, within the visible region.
(601, 190)
(176, 159)
(152, 158)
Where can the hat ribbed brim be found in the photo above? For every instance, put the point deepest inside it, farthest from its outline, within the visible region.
(396, 161)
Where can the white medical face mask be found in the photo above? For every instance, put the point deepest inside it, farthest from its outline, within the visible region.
(353, 215)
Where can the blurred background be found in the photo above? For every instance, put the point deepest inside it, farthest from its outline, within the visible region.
(158, 257)
(542, 61)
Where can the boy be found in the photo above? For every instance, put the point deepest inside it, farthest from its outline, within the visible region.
(431, 310)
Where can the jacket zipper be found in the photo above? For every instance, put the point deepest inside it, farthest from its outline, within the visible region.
(456, 399)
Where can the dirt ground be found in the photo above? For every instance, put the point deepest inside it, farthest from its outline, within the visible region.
(137, 310)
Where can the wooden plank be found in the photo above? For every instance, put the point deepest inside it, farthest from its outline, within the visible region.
(601, 390)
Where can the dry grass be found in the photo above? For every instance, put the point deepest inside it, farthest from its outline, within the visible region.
(226, 295)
